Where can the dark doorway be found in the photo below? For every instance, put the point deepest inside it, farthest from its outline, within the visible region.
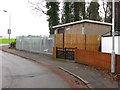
(66, 53)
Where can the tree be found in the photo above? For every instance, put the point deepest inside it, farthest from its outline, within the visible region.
(67, 15)
(109, 12)
(51, 9)
(107, 8)
(53, 15)
(92, 11)
(105, 5)
(38, 6)
(73, 11)
(83, 11)
(79, 10)
(117, 16)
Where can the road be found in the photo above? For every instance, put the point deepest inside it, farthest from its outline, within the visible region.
(18, 72)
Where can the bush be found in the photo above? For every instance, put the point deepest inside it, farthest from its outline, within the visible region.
(13, 45)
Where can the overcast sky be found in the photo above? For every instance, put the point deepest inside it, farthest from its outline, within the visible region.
(24, 21)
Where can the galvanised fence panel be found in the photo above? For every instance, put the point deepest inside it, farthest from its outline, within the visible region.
(37, 44)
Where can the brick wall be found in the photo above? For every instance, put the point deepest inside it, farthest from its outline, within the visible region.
(118, 64)
(96, 59)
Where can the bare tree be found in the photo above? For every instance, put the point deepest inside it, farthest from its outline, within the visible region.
(38, 6)
(105, 5)
(48, 8)
(107, 8)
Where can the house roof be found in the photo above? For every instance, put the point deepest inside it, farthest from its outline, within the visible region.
(108, 34)
(82, 21)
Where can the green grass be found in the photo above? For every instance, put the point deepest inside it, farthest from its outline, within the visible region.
(5, 40)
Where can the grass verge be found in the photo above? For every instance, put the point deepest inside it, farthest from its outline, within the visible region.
(5, 40)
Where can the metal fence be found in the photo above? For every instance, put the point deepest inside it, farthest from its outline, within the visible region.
(37, 44)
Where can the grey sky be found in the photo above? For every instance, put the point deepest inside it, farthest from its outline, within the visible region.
(24, 21)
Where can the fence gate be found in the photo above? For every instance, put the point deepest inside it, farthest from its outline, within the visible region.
(65, 53)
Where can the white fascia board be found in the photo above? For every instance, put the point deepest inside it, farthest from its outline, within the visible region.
(82, 21)
(119, 45)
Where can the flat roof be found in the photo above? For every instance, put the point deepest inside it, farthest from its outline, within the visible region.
(82, 21)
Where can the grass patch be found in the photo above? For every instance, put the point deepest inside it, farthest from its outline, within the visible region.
(5, 40)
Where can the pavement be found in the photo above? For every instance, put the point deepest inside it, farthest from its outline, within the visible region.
(90, 76)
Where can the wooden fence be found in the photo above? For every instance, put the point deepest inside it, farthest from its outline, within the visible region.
(96, 59)
(80, 41)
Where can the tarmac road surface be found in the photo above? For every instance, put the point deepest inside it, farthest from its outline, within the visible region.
(21, 73)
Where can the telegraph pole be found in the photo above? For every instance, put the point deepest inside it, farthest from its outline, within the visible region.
(113, 38)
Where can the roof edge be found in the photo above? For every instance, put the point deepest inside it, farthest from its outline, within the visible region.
(82, 21)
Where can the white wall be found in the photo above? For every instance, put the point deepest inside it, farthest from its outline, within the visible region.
(119, 44)
(107, 44)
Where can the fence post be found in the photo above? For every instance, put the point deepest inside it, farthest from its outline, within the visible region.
(56, 52)
(65, 54)
(85, 41)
